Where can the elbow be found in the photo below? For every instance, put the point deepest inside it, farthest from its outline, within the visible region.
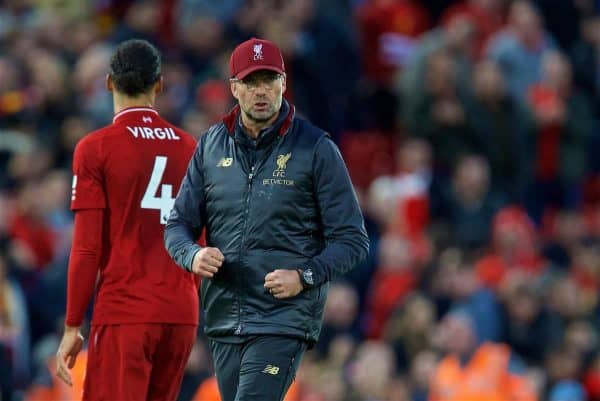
(358, 246)
(364, 248)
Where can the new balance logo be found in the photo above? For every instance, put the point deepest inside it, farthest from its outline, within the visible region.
(225, 162)
(270, 369)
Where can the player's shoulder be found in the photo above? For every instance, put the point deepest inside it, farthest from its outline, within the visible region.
(91, 141)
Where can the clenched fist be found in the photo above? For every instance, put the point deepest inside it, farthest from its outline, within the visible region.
(207, 262)
(283, 283)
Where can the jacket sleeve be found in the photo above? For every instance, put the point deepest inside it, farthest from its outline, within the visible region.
(187, 216)
(342, 224)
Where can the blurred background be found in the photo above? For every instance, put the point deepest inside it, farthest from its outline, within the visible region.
(470, 129)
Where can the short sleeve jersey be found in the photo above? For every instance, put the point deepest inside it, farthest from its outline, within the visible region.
(132, 169)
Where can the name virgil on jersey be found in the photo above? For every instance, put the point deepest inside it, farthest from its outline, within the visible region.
(153, 133)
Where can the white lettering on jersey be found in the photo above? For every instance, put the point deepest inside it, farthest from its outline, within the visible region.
(154, 133)
(173, 134)
(149, 132)
(134, 131)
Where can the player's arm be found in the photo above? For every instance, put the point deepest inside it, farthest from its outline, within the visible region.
(186, 222)
(88, 201)
(84, 263)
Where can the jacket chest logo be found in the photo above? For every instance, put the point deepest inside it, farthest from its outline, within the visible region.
(279, 172)
(282, 161)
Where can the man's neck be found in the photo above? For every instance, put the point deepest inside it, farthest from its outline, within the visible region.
(125, 102)
(253, 128)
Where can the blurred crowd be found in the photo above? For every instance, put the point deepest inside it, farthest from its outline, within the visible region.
(470, 129)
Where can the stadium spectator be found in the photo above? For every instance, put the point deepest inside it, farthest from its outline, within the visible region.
(468, 205)
(389, 31)
(530, 329)
(564, 123)
(514, 247)
(488, 16)
(439, 114)
(408, 330)
(520, 47)
(14, 334)
(505, 129)
(475, 372)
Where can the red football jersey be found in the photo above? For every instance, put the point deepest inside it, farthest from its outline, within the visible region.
(132, 169)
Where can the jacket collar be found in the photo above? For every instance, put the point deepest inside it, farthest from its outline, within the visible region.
(284, 121)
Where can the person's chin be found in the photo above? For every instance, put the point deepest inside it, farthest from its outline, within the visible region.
(262, 116)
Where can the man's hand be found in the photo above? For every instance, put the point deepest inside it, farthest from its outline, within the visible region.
(283, 283)
(69, 348)
(207, 262)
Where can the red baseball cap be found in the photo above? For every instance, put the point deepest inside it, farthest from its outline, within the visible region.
(253, 55)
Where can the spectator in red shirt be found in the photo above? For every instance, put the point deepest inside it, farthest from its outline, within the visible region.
(389, 29)
(564, 120)
(514, 247)
(488, 16)
(31, 235)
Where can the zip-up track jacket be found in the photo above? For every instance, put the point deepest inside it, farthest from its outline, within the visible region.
(283, 202)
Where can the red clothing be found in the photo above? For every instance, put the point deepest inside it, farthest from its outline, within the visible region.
(412, 217)
(591, 382)
(137, 361)
(548, 143)
(486, 22)
(510, 224)
(492, 268)
(38, 237)
(131, 171)
(84, 262)
(390, 286)
(404, 19)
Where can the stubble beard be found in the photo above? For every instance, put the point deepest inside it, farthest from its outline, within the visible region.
(260, 119)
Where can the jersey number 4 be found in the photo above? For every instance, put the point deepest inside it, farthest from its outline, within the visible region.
(164, 202)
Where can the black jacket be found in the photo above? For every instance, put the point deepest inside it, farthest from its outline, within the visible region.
(284, 201)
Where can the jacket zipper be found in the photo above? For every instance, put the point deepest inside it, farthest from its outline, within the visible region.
(255, 167)
(238, 330)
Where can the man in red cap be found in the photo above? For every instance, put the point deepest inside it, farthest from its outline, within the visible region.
(281, 219)
(253, 64)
